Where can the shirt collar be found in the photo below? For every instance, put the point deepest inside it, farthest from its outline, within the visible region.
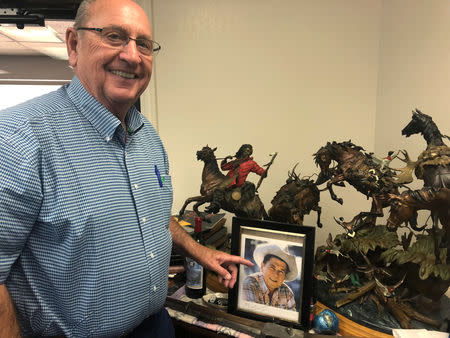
(262, 283)
(98, 115)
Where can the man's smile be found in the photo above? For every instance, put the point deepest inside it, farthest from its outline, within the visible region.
(123, 74)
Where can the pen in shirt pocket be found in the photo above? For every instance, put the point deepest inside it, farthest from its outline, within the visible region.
(158, 175)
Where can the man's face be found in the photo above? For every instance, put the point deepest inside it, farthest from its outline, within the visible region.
(247, 151)
(274, 273)
(114, 76)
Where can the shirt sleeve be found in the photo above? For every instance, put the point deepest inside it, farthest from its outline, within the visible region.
(250, 289)
(20, 195)
(257, 169)
(227, 165)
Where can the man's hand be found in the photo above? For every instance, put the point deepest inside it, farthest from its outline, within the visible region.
(225, 159)
(221, 263)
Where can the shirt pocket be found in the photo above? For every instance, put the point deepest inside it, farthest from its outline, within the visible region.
(166, 196)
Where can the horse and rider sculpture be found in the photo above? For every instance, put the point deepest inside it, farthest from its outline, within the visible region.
(228, 192)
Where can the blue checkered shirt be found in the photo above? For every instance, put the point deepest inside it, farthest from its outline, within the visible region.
(84, 221)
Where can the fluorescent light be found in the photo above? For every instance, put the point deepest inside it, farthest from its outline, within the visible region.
(54, 50)
(59, 53)
(30, 34)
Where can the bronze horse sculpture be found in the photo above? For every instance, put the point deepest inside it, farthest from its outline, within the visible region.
(433, 164)
(404, 208)
(214, 180)
(433, 167)
(294, 200)
(359, 170)
(405, 205)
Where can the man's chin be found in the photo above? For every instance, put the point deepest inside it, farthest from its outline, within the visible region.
(124, 99)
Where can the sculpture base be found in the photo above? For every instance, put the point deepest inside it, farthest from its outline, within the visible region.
(357, 316)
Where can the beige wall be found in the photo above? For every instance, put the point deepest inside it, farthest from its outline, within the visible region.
(288, 76)
(414, 71)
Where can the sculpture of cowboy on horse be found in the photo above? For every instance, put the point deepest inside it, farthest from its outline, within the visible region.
(238, 170)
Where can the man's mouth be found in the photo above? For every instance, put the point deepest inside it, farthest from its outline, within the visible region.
(124, 74)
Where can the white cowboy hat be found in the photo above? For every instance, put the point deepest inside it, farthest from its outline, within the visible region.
(272, 249)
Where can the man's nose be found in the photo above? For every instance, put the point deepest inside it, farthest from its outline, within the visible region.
(130, 52)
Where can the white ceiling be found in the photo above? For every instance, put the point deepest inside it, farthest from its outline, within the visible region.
(10, 45)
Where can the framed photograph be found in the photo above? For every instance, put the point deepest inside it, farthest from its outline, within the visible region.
(278, 287)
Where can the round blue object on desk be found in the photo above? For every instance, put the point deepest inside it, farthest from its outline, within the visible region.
(326, 322)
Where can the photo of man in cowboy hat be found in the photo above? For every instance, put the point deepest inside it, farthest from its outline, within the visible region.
(268, 286)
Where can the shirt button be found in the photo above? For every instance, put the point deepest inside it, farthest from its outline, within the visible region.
(154, 288)
(152, 255)
(126, 154)
(108, 138)
(136, 186)
(144, 219)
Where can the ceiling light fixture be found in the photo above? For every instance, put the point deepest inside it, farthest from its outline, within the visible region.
(30, 34)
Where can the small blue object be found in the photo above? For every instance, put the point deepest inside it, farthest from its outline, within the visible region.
(159, 176)
(326, 322)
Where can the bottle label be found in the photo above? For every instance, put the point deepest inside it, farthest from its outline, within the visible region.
(194, 274)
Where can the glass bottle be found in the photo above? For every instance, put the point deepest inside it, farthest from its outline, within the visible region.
(195, 273)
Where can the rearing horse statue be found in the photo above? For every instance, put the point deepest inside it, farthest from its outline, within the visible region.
(213, 179)
(359, 170)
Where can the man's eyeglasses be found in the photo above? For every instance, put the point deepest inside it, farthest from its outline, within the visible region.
(116, 37)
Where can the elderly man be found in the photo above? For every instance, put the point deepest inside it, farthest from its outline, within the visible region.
(85, 228)
(267, 286)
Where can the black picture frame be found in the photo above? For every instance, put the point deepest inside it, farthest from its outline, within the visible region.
(297, 241)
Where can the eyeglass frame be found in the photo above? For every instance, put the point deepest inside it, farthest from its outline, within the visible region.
(153, 51)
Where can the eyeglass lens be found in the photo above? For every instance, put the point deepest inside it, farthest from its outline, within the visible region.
(116, 38)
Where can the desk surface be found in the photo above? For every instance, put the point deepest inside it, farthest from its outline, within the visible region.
(217, 319)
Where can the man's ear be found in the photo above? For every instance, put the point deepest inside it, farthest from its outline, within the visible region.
(72, 44)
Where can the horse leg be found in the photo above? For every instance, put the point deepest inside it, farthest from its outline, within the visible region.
(216, 200)
(188, 201)
(264, 212)
(376, 210)
(319, 211)
(434, 216)
(334, 180)
(195, 208)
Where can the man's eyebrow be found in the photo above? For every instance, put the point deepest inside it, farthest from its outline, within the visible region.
(273, 266)
(116, 27)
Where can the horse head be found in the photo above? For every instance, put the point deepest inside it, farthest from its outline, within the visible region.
(401, 211)
(418, 123)
(323, 160)
(206, 154)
